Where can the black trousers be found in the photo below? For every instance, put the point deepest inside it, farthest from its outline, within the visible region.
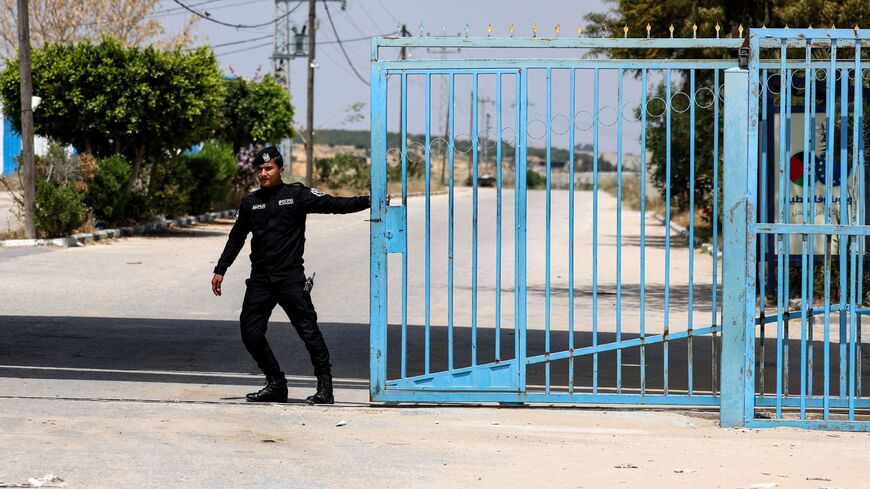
(261, 297)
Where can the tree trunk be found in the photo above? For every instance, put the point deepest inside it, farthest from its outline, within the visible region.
(138, 159)
(27, 162)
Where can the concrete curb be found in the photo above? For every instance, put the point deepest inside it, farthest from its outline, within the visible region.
(82, 239)
(684, 233)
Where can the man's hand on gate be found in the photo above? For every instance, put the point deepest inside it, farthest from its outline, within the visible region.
(216, 284)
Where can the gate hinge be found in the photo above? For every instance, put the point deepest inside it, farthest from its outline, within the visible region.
(743, 53)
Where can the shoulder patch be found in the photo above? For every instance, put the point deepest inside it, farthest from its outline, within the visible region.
(316, 192)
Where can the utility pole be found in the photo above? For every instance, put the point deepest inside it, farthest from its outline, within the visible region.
(289, 45)
(480, 101)
(26, 119)
(309, 146)
(312, 64)
(403, 55)
(445, 102)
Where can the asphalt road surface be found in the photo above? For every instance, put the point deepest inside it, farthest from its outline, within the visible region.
(119, 368)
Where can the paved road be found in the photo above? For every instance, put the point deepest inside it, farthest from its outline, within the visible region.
(118, 368)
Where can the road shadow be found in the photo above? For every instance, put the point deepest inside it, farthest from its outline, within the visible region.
(211, 352)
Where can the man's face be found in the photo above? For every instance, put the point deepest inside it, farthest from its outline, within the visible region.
(269, 174)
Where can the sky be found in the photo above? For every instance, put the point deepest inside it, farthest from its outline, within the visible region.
(336, 85)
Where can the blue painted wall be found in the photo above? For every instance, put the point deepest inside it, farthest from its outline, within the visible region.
(11, 147)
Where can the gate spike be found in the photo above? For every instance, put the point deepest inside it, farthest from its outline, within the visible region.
(625, 31)
(671, 28)
(467, 28)
(444, 30)
(579, 30)
(740, 30)
(694, 31)
(421, 28)
(857, 31)
(511, 29)
(558, 29)
(488, 30)
(534, 29)
(648, 28)
(718, 27)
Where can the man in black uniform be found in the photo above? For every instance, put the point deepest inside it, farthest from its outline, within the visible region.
(275, 216)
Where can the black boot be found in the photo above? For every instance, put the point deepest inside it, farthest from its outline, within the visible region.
(274, 391)
(324, 391)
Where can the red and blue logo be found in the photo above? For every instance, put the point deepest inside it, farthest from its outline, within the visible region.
(797, 174)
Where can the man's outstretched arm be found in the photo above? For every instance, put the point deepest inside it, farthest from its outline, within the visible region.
(314, 201)
(235, 243)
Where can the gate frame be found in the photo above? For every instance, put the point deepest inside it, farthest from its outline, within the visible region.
(740, 206)
(740, 162)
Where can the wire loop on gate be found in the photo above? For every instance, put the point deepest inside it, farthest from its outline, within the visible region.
(769, 85)
(688, 102)
(566, 126)
(794, 77)
(513, 134)
(441, 143)
(635, 112)
(462, 143)
(394, 156)
(615, 115)
(486, 140)
(577, 118)
(649, 102)
(416, 156)
(722, 93)
(698, 101)
(531, 133)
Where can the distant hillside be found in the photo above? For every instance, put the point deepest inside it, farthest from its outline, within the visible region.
(362, 140)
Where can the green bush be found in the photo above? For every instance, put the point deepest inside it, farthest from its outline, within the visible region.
(212, 170)
(344, 171)
(59, 208)
(535, 179)
(107, 195)
(172, 185)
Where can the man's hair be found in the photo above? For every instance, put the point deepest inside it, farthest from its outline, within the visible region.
(268, 154)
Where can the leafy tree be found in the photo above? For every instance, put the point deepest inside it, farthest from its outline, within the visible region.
(255, 112)
(70, 21)
(107, 98)
(706, 14)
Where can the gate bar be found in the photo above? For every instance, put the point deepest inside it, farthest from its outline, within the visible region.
(571, 132)
(667, 317)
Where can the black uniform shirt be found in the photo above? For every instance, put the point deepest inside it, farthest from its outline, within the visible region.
(276, 219)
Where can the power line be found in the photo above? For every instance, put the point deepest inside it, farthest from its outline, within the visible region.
(343, 51)
(207, 17)
(232, 43)
(251, 48)
(180, 11)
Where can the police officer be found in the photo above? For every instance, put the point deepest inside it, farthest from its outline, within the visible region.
(275, 217)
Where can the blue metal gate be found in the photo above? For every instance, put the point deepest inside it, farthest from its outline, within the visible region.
(563, 295)
(513, 294)
(806, 232)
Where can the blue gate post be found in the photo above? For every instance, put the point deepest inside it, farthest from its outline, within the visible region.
(738, 305)
(378, 301)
